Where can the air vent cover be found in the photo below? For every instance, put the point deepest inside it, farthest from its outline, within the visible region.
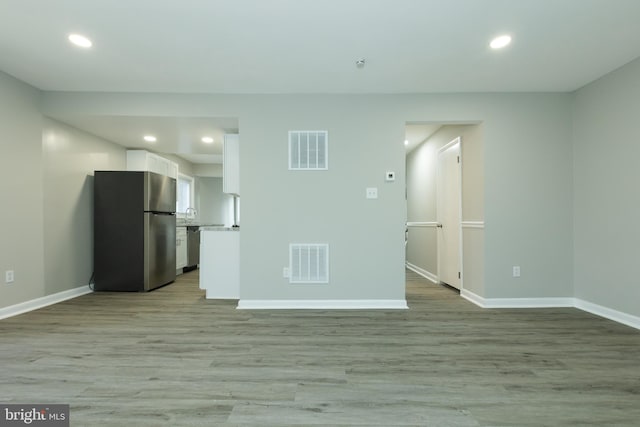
(308, 150)
(309, 263)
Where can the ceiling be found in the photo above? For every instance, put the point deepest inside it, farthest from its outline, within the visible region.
(176, 135)
(311, 46)
(417, 133)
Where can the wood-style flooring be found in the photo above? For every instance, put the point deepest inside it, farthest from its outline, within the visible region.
(171, 358)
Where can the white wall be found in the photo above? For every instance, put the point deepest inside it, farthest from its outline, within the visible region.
(70, 159)
(208, 170)
(528, 184)
(21, 215)
(606, 203)
(213, 205)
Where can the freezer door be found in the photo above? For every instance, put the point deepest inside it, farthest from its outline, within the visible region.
(159, 193)
(159, 250)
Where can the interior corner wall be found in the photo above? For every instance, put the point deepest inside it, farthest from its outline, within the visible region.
(70, 158)
(606, 150)
(21, 216)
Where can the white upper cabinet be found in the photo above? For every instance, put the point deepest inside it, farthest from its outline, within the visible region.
(142, 160)
(231, 164)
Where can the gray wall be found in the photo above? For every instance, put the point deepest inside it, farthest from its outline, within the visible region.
(421, 202)
(214, 206)
(21, 216)
(535, 147)
(606, 204)
(528, 184)
(70, 159)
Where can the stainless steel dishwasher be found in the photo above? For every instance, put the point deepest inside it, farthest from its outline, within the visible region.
(193, 246)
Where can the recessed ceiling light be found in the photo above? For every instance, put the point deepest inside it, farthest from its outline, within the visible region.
(150, 138)
(406, 142)
(500, 42)
(207, 139)
(80, 40)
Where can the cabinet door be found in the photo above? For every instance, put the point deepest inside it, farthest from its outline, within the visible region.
(181, 247)
(142, 160)
(172, 170)
(231, 164)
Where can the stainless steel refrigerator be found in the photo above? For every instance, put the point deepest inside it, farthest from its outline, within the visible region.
(134, 230)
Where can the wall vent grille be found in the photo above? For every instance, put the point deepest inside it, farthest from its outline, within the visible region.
(309, 263)
(308, 150)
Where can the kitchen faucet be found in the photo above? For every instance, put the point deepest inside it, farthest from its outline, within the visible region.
(191, 211)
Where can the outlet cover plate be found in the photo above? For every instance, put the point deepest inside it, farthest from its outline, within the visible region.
(516, 271)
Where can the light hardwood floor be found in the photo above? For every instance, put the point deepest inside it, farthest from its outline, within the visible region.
(171, 358)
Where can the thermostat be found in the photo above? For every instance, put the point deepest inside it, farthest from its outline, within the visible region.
(390, 176)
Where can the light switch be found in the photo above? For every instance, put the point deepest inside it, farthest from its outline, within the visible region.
(390, 176)
(372, 193)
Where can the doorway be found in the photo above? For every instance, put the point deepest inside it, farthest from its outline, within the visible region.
(445, 244)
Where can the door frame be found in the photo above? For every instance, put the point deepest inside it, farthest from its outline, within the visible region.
(457, 140)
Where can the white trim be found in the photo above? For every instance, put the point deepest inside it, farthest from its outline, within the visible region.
(322, 304)
(422, 272)
(474, 298)
(422, 224)
(450, 144)
(472, 224)
(577, 303)
(517, 302)
(35, 304)
(608, 313)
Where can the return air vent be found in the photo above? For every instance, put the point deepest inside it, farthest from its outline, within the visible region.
(308, 150)
(309, 263)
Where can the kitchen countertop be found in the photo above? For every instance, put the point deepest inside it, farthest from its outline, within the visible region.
(196, 224)
(219, 228)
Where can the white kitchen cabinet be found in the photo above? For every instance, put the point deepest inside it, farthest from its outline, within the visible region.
(231, 164)
(181, 247)
(220, 263)
(143, 160)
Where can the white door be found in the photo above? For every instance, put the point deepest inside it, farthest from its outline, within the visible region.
(449, 213)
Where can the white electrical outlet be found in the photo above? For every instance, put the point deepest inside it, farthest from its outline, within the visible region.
(372, 193)
(285, 272)
(8, 276)
(516, 271)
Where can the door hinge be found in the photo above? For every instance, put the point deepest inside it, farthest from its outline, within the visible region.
(459, 276)
(458, 159)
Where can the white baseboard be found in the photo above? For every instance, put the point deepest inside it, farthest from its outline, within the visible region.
(598, 310)
(474, 298)
(516, 302)
(422, 272)
(322, 304)
(608, 313)
(41, 302)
